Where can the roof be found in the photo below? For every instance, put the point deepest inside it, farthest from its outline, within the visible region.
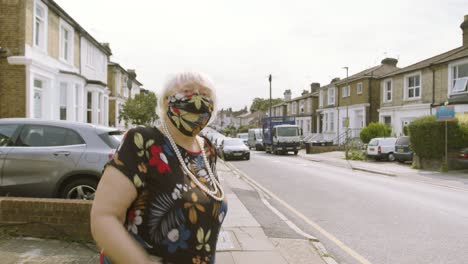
(373, 72)
(115, 64)
(54, 6)
(448, 56)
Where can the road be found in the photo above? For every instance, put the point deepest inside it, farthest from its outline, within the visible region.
(382, 219)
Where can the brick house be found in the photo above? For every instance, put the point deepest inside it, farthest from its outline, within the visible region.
(50, 67)
(122, 85)
(417, 90)
(303, 108)
(358, 98)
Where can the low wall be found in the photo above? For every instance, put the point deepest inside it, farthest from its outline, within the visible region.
(46, 218)
(322, 149)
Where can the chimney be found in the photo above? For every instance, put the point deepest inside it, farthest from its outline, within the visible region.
(304, 92)
(287, 95)
(314, 87)
(132, 74)
(335, 79)
(106, 46)
(464, 27)
(390, 62)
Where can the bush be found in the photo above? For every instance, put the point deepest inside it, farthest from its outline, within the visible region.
(427, 137)
(374, 130)
(356, 155)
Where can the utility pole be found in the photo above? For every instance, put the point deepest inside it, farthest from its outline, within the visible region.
(269, 79)
(347, 115)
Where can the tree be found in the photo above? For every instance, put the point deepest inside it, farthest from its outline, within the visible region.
(374, 130)
(140, 110)
(260, 104)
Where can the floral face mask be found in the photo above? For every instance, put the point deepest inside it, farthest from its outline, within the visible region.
(189, 113)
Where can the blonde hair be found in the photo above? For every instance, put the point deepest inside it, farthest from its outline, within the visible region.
(180, 80)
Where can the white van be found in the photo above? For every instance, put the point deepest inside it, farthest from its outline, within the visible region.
(382, 148)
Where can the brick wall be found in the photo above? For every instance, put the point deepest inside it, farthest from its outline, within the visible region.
(58, 218)
(28, 22)
(112, 112)
(53, 35)
(12, 77)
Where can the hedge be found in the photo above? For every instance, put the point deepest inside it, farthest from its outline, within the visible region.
(427, 137)
(374, 130)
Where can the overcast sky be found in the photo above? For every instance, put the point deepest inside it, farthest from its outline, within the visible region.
(238, 43)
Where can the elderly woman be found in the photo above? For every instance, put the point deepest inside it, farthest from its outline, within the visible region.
(159, 199)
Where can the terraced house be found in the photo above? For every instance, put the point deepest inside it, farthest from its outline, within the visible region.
(50, 67)
(302, 108)
(122, 85)
(327, 113)
(417, 90)
(358, 99)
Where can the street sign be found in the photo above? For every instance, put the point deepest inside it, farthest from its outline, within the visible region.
(445, 113)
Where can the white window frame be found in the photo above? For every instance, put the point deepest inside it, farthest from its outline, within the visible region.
(359, 88)
(63, 89)
(331, 99)
(332, 123)
(302, 107)
(385, 91)
(346, 91)
(42, 35)
(452, 80)
(69, 41)
(294, 108)
(89, 107)
(325, 121)
(125, 93)
(406, 90)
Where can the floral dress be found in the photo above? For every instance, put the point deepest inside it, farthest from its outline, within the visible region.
(171, 217)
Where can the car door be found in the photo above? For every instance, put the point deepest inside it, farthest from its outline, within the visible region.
(40, 157)
(7, 134)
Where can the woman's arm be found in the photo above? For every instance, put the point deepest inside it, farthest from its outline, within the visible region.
(114, 195)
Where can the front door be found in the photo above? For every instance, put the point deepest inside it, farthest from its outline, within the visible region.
(40, 157)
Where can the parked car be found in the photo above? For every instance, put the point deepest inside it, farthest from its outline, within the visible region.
(382, 148)
(255, 139)
(53, 158)
(244, 137)
(234, 148)
(403, 151)
(217, 144)
(462, 158)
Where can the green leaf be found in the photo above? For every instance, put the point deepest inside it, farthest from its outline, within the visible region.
(199, 247)
(207, 247)
(138, 139)
(200, 235)
(141, 153)
(149, 143)
(207, 237)
(137, 181)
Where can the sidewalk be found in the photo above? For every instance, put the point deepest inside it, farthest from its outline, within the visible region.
(241, 240)
(455, 179)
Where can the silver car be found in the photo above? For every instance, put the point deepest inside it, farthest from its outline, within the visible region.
(63, 159)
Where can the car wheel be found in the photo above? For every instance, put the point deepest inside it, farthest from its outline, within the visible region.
(391, 157)
(295, 152)
(82, 189)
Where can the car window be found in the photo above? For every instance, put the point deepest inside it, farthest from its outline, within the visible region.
(6, 132)
(403, 141)
(112, 138)
(233, 142)
(47, 136)
(374, 142)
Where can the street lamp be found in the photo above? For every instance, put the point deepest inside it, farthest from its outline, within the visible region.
(269, 79)
(347, 114)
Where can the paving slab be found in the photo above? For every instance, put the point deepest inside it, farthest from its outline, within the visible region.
(258, 257)
(296, 250)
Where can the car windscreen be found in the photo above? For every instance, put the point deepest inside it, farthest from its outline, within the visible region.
(233, 142)
(112, 138)
(286, 131)
(403, 141)
(374, 142)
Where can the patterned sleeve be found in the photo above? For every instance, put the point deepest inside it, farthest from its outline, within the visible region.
(131, 156)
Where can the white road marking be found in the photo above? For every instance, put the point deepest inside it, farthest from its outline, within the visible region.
(317, 227)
